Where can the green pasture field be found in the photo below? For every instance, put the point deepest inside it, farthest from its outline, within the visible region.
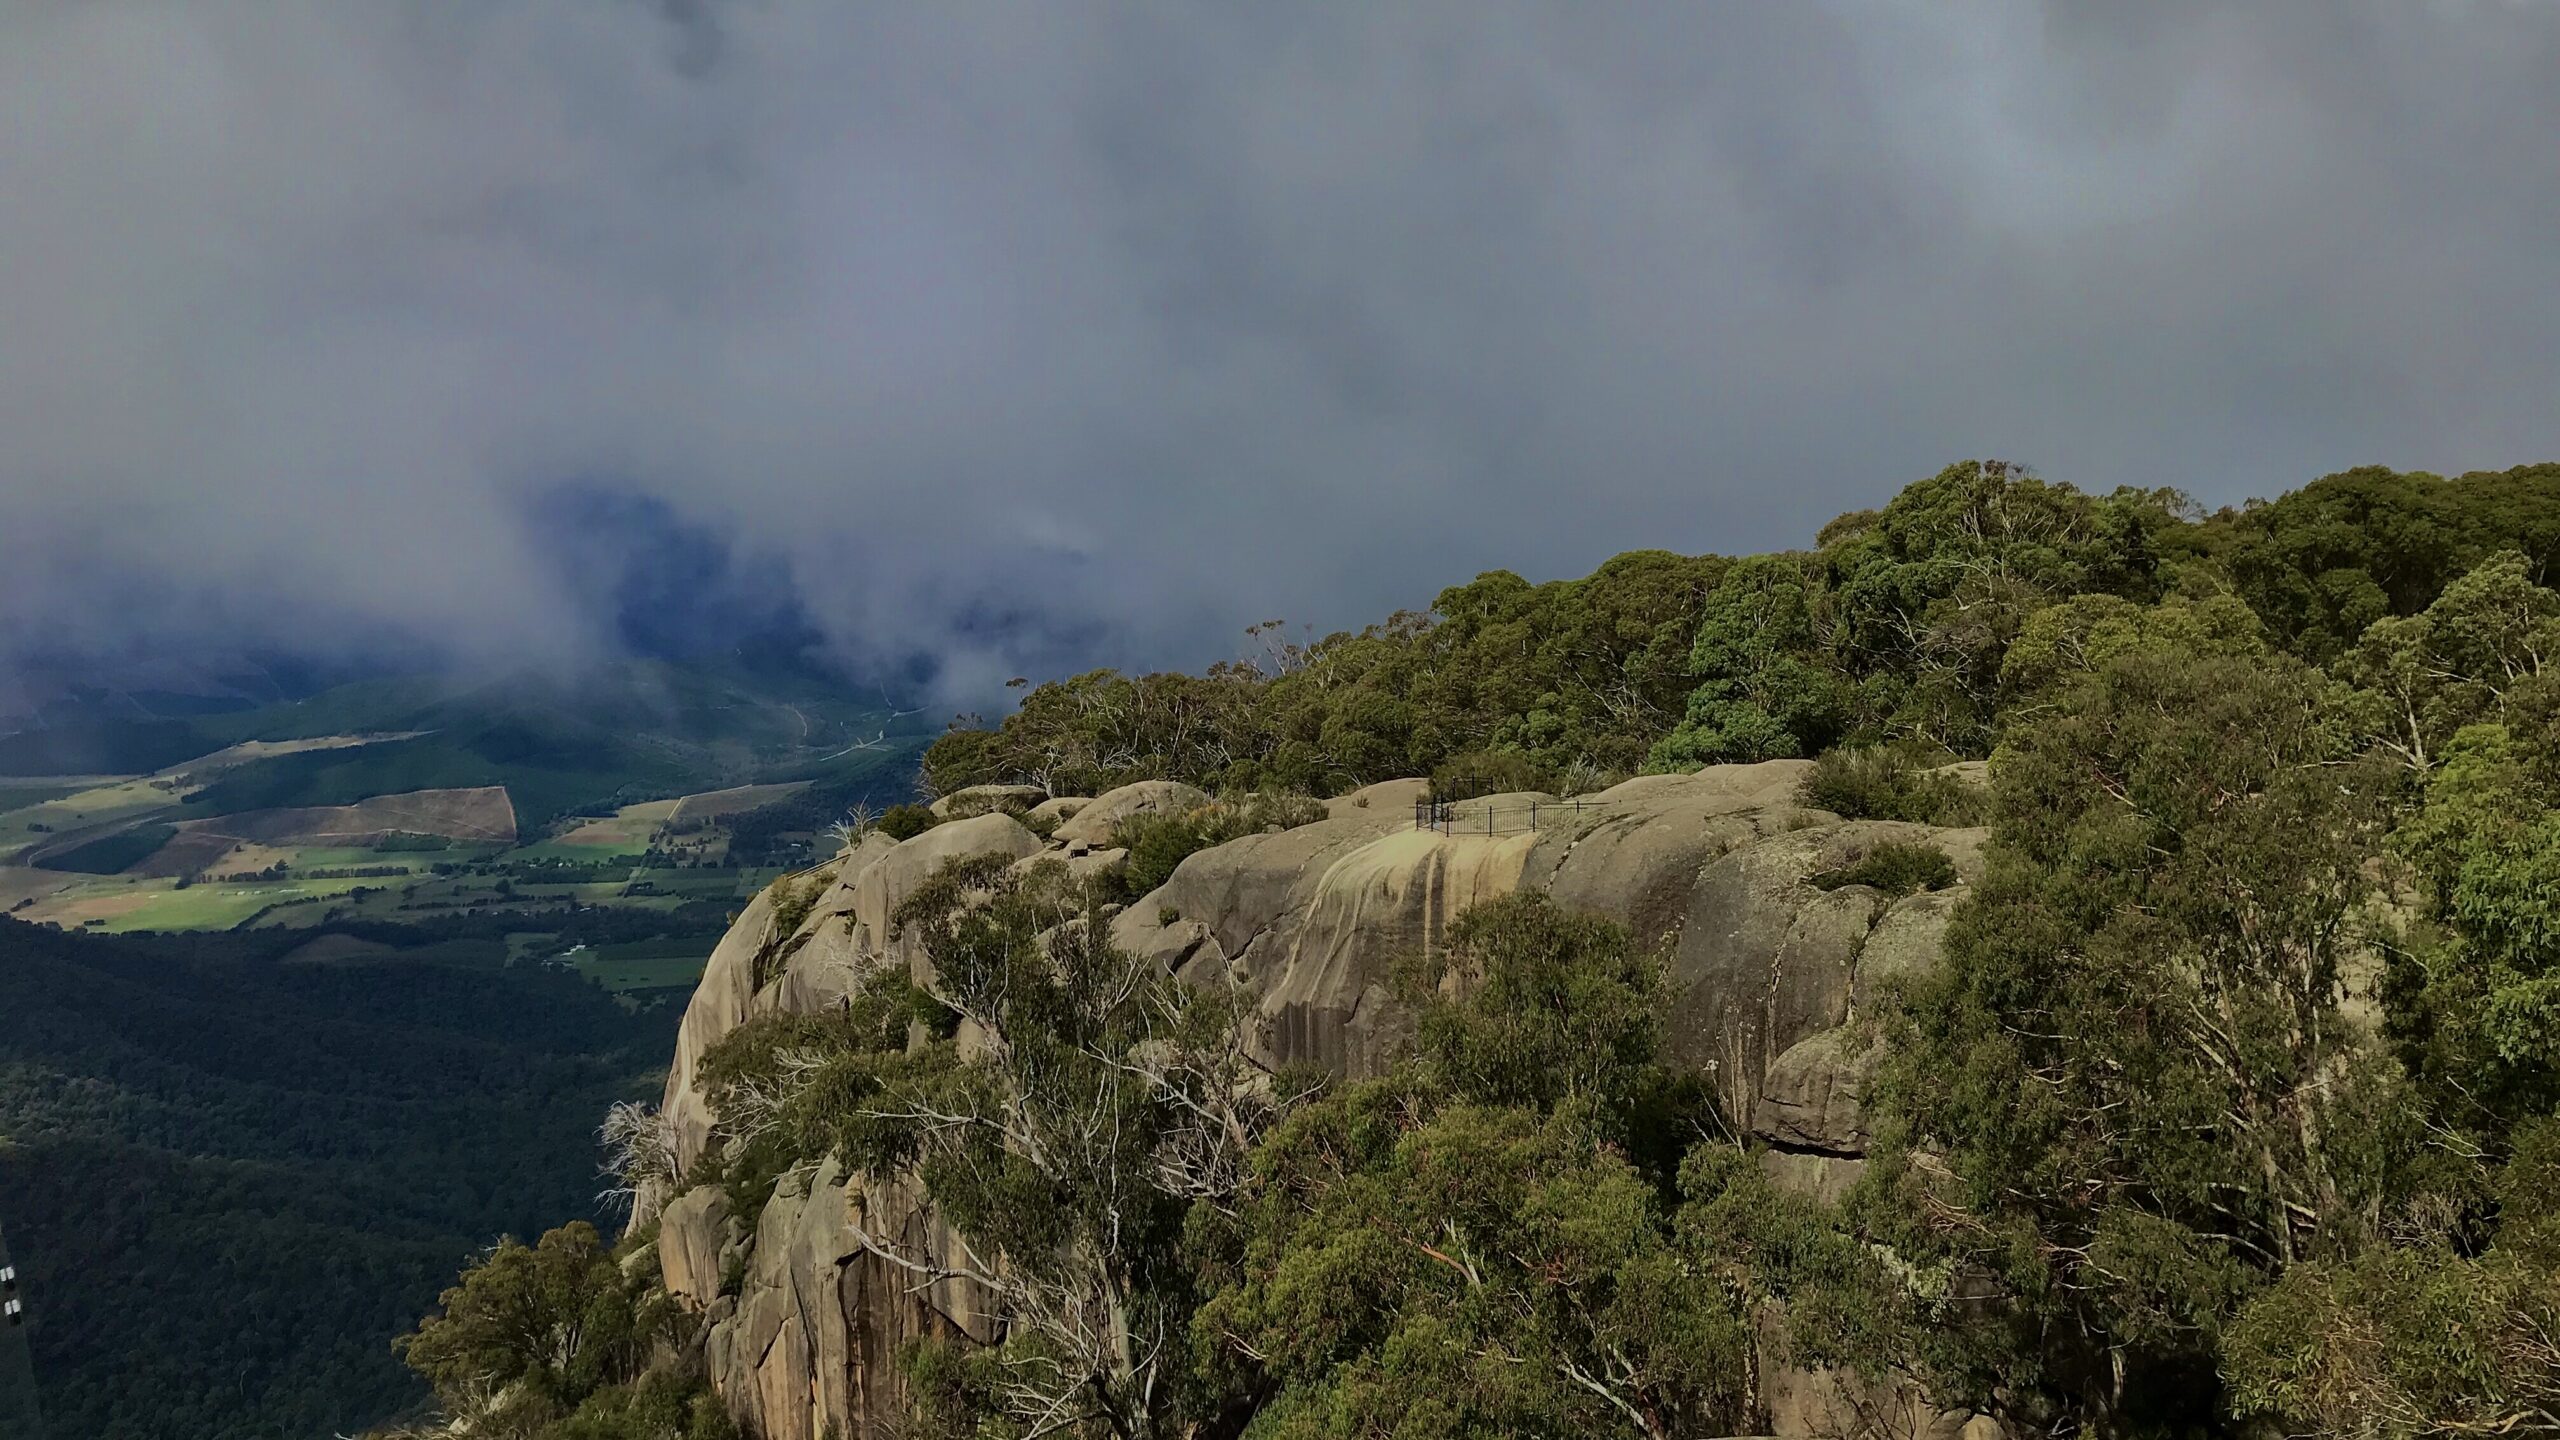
(19, 797)
(121, 903)
(658, 966)
(96, 805)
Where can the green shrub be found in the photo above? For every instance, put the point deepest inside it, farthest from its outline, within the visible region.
(793, 898)
(1157, 844)
(1894, 867)
(1487, 772)
(1586, 777)
(905, 822)
(1261, 812)
(531, 1332)
(1889, 783)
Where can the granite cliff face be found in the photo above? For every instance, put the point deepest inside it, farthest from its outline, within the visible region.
(1767, 971)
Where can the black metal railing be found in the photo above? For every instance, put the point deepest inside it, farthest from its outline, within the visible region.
(1471, 817)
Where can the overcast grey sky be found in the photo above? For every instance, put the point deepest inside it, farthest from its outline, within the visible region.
(1032, 333)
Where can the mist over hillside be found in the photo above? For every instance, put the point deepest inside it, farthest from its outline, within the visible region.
(1012, 346)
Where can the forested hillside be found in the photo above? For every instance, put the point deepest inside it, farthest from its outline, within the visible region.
(2231, 1108)
(230, 1178)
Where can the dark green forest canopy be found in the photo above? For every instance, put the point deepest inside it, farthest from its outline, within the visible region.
(230, 1180)
(1898, 626)
(2322, 563)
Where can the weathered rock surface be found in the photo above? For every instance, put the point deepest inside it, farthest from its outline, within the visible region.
(720, 1004)
(1397, 795)
(692, 1232)
(812, 1343)
(1769, 975)
(846, 931)
(1092, 824)
(1058, 810)
(1813, 1096)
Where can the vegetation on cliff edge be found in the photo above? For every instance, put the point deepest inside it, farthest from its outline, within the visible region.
(2232, 1108)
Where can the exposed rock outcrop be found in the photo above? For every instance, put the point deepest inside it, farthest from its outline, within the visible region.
(1093, 823)
(1769, 973)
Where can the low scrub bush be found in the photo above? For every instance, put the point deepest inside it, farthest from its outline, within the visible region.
(1488, 772)
(1893, 867)
(1886, 783)
(1159, 843)
(905, 822)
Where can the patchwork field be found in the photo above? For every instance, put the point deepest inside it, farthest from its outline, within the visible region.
(436, 858)
(65, 822)
(688, 826)
(121, 903)
(57, 814)
(480, 815)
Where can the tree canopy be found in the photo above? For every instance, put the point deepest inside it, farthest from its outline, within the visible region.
(2231, 1108)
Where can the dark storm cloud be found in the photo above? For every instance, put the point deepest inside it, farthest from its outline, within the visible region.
(1030, 335)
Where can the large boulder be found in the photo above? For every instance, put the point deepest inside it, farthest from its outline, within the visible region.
(1310, 919)
(1387, 797)
(889, 882)
(826, 954)
(1092, 824)
(1904, 944)
(1813, 1096)
(1635, 851)
(846, 931)
(1056, 811)
(812, 1346)
(692, 1232)
(1764, 958)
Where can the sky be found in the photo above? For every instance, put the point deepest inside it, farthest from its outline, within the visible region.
(1010, 339)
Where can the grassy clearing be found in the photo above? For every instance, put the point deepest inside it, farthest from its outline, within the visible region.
(118, 904)
(20, 797)
(252, 750)
(627, 831)
(690, 820)
(645, 965)
(47, 823)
